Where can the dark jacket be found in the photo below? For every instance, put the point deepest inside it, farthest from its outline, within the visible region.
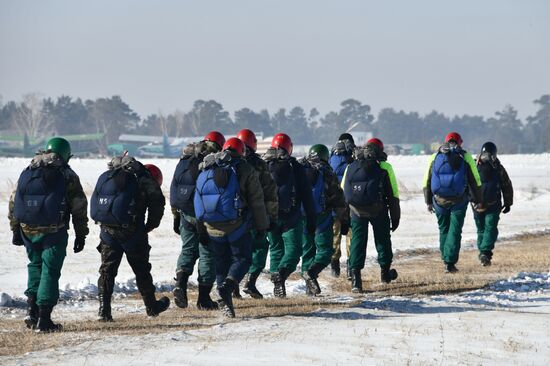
(268, 185)
(504, 183)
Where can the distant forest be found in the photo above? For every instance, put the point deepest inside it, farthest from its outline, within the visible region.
(35, 117)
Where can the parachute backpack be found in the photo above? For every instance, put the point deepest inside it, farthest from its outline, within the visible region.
(217, 195)
(282, 173)
(316, 180)
(182, 188)
(364, 179)
(449, 173)
(40, 196)
(113, 200)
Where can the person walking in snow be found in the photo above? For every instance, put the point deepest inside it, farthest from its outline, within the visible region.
(450, 181)
(328, 197)
(182, 191)
(48, 194)
(498, 196)
(121, 198)
(370, 188)
(229, 202)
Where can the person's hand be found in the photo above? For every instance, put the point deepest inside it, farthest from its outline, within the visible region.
(274, 227)
(394, 225)
(17, 239)
(177, 222)
(431, 208)
(204, 239)
(260, 234)
(506, 209)
(344, 228)
(79, 242)
(311, 227)
(149, 228)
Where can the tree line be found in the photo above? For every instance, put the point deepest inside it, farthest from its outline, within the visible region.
(35, 117)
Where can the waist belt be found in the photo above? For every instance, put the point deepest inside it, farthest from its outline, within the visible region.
(54, 227)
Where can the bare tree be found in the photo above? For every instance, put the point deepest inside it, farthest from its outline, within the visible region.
(31, 118)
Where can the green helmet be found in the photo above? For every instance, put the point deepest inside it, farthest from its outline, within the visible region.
(320, 150)
(59, 146)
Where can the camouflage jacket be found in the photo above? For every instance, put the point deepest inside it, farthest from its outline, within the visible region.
(268, 185)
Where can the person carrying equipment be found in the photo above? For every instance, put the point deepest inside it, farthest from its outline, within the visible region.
(122, 196)
(260, 245)
(47, 195)
(228, 200)
(293, 192)
(451, 171)
(328, 197)
(340, 157)
(496, 187)
(370, 188)
(182, 191)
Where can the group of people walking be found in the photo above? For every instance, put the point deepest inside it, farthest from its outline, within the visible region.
(232, 207)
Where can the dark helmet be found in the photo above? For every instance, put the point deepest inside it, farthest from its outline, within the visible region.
(249, 138)
(346, 136)
(283, 141)
(489, 147)
(234, 144)
(155, 172)
(60, 146)
(321, 151)
(215, 136)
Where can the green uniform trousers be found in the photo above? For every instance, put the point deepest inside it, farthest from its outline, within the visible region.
(382, 240)
(317, 248)
(44, 270)
(337, 240)
(487, 230)
(260, 248)
(285, 248)
(191, 250)
(450, 224)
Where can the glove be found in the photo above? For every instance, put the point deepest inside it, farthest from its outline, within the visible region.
(204, 239)
(344, 228)
(177, 222)
(79, 242)
(431, 208)
(311, 227)
(394, 225)
(149, 228)
(17, 239)
(273, 227)
(506, 209)
(260, 234)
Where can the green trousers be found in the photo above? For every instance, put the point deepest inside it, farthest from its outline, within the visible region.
(191, 250)
(382, 240)
(285, 249)
(44, 270)
(487, 231)
(317, 248)
(450, 224)
(260, 247)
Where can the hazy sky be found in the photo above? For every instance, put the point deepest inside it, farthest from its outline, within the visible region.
(466, 57)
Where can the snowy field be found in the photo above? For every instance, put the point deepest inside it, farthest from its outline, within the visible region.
(507, 323)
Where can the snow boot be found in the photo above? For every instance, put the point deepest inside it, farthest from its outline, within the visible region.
(226, 302)
(45, 323)
(32, 313)
(387, 275)
(278, 279)
(204, 301)
(450, 268)
(356, 282)
(104, 313)
(312, 286)
(250, 286)
(485, 259)
(237, 293)
(180, 291)
(154, 307)
(335, 268)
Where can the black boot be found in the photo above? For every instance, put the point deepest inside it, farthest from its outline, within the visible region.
(356, 282)
(180, 291)
(32, 312)
(310, 276)
(485, 259)
(250, 286)
(45, 324)
(204, 301)
(335, 268)
(226, 302)
(278, 279)
(348, 271)
(154, 307)
(104, 314)
(237, 293)
(387, 275)
(450, 268)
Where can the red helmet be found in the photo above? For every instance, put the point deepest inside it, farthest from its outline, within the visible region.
(235, 144)
(283, 141)
(454, 136)
(376, 142)
(249, 138)
(155, 173)
(216, 137)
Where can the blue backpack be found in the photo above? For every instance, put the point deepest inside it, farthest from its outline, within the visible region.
(282, 173)
(339, 163)
(40, 197)
(113, 201)
(363, 186)
(316, 179)
(449, 175)
(182, 188)
(217, 195)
